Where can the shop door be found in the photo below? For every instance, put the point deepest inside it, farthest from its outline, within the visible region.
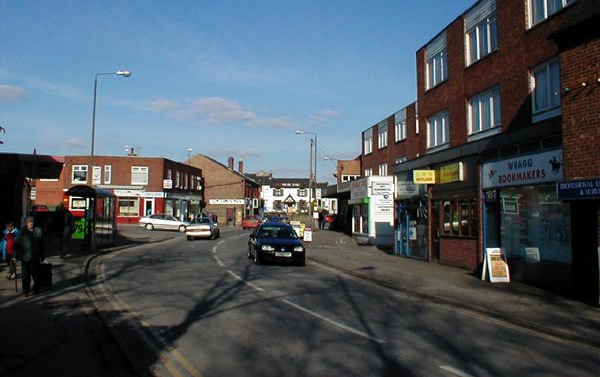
(412, 229)
(435, 230)
(148, 206)
(230, 216)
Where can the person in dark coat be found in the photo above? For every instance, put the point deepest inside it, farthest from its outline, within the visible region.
(29, 248)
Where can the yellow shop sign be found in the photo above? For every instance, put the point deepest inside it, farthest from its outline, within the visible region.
(424, 177)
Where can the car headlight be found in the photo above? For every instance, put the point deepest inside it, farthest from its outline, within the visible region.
(268, 248)
(298, 249)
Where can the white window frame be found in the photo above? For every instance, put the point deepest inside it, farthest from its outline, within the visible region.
(484, 111)
(382, 134)
(79, 169)
(545, 9)
(545, 91)
(481, 32)
(129, 213)
(436, 64)
(107, 174)
(368, 172)
(438, 130)
(368, 141)
(400, 127)
(96, 175)
(383, 169)
(137, 172)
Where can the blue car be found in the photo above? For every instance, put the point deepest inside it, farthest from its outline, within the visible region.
(276, 242)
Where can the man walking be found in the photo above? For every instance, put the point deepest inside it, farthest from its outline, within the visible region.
(29, 249)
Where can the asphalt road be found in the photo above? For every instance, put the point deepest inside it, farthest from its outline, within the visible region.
(201, 308)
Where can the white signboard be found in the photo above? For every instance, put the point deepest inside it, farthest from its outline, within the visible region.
(307, 234)
(382, 188)
(495, 264)
(227, 201)
(384, 210)
(383, 200)
(524, 170)
(154, 194)
(359, 189)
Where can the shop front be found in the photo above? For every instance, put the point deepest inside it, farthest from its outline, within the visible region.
(372, 202)
(524, 216)
(411, 236)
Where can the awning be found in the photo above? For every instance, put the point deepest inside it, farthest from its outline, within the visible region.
(84, 191)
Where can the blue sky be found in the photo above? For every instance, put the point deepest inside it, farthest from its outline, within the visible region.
(225, 78)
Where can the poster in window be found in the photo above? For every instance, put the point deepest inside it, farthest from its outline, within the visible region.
(510, 206)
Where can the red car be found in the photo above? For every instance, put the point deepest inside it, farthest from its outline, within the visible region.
(251, 222)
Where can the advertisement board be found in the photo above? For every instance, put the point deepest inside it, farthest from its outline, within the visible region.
(524, 170)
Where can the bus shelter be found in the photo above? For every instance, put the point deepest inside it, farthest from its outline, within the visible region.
(97, 227)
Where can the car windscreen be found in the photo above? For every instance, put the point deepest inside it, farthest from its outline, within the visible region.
(277, 232)
(202, 221)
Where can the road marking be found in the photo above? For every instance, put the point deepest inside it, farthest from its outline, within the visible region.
(332, 322)
(245, 281)
(144, 329)
(455, 371)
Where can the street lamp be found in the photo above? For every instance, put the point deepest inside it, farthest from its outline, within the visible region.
(118, 73)
(314, 179)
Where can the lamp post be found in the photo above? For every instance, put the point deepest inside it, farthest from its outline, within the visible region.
(118, 73)
(312, 178)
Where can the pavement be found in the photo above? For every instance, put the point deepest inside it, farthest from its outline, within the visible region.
(58, 332)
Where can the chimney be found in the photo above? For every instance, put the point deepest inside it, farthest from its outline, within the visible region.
(241, 166)
(230, 163)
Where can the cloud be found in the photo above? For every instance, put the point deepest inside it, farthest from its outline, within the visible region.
(11, 93)
(322, 116)
(241, 152)
(76, 143)
(217, 111)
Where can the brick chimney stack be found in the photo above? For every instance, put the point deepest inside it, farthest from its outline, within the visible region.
(230, 163)
(241, 166)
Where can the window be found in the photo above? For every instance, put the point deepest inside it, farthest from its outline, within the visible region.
(542, 9)
(382, 134)
(368, 141)
(460, 218)
(438, 127)
(400, 128)
(302, 192)
(278, 205)
(139, 175)
(129, 207)
(481, 34)
(402, 159)
(277, 192)
(107, 174)
(368, 172)
(198, 183)
(546, 91)
(484, 111)
(77, 204)
(96, 175)
(79, 174)
(177, 179)
(348, 178)
(436, 62)
(383, 168)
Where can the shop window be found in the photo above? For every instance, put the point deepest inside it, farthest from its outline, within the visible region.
(129, 207)
(460, 218)
(79, 174)
(532, 218)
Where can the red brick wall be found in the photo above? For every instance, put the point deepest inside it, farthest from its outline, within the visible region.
(581, 110)
(459, 252)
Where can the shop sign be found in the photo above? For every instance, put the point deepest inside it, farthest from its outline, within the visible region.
(424, 177)
(451, 172)
(383, 200)
(495, 264)
(154, 194)
(580, 189)
(227, 201)
(359, 189)
(524, 170)
(130, 193)
(79, 231)
(343, 187)
(382, 188)
(167, 184)
(388, 211)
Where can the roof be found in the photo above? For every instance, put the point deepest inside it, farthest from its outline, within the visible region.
(36, 166)
(85, 191)
(241, 175)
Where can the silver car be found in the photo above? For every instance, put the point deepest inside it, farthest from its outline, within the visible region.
(203, 227)
(159, 221)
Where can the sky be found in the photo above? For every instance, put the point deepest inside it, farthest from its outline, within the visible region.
(222, 78)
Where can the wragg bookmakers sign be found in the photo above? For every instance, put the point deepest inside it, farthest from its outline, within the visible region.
(524, 170)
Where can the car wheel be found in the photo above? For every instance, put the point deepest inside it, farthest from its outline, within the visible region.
(181, 228)
(149, 227)
(302, 262)
(189, 238)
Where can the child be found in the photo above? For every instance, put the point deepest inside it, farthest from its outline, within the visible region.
(7, 246)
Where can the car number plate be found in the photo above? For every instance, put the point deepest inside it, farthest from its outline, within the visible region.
(283, 254)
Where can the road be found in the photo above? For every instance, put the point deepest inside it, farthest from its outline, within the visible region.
(201, 308)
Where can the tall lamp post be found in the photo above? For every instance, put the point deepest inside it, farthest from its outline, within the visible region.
(312, 178)
(118, 73)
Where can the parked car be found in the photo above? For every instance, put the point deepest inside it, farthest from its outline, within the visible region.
(203, 227)
(251, 222)
(159, 221)
(276, 242)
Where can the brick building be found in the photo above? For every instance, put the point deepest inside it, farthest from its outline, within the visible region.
(500, 121)
(142, 185)
(229, 194)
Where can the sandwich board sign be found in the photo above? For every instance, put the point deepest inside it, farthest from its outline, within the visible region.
(496, 265)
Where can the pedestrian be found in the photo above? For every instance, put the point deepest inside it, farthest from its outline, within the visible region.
(321, 220)
(67, 228)
(29, 248)
(7, 245)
